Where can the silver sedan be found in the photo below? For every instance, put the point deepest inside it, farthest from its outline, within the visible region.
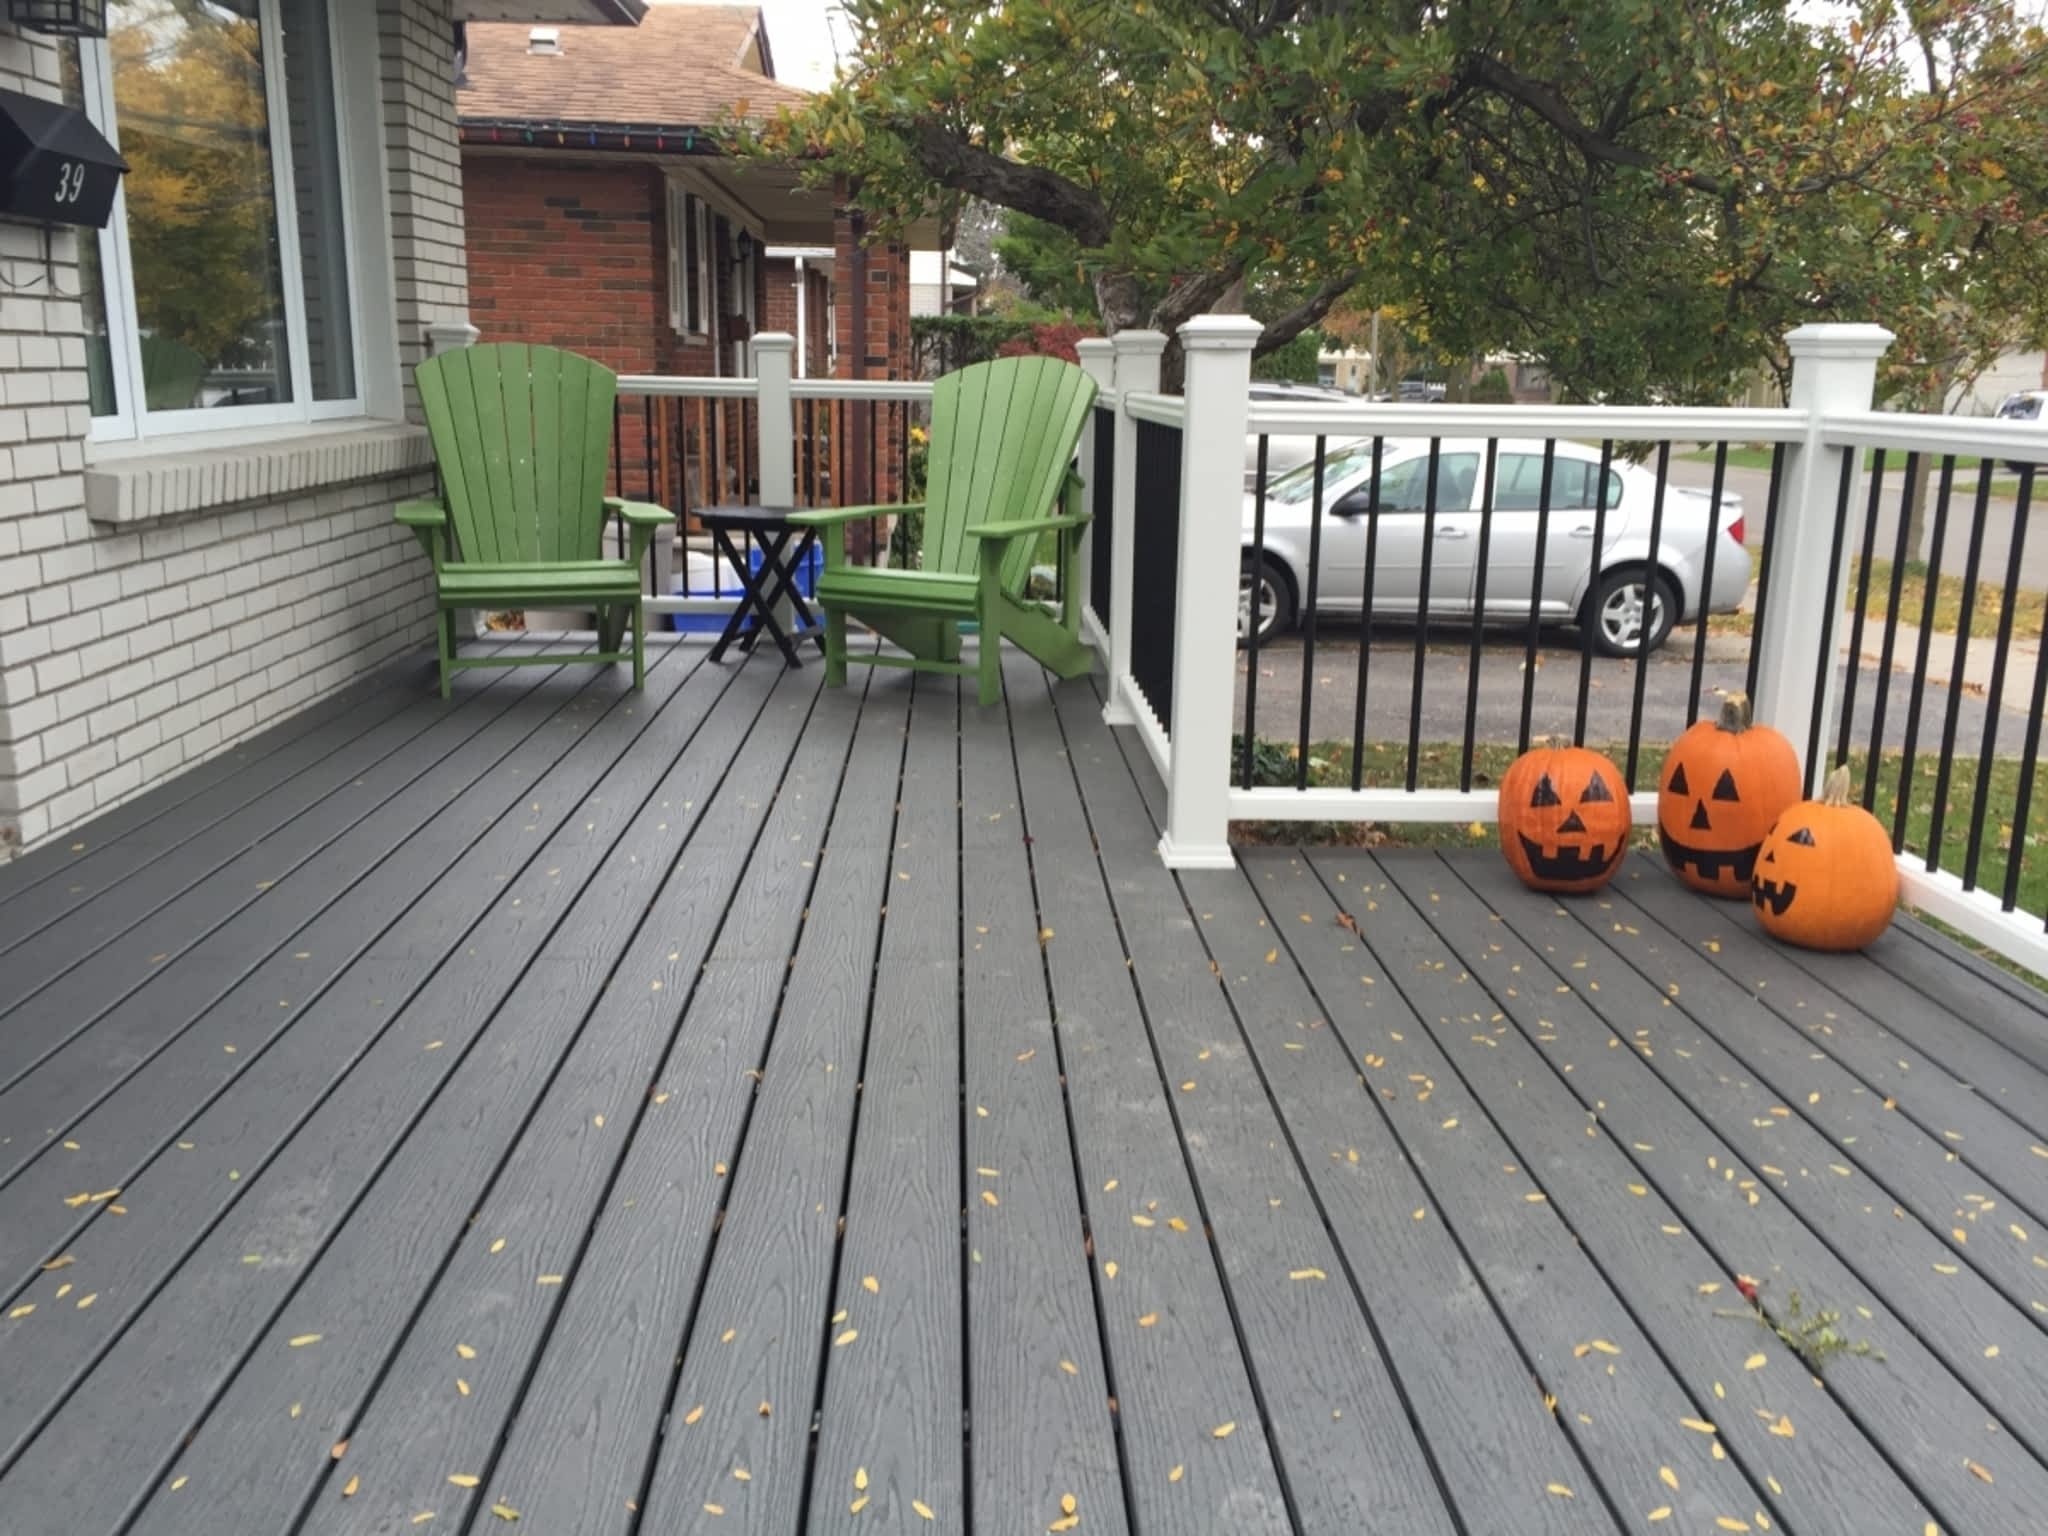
(1631, 597)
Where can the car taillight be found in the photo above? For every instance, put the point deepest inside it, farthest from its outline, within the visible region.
(1735, 530)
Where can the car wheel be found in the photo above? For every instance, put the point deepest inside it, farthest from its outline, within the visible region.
(1275, 599)
(1623, 603)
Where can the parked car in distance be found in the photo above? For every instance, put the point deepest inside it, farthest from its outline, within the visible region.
(1630, 596)
(2026, 405)
(1284, 453)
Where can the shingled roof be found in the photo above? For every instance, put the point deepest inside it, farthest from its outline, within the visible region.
(683, 66)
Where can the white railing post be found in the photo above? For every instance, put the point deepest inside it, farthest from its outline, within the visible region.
(1137, 372)
(1834, 368)
(774, 352)
(1219, 372)
(1098, 361)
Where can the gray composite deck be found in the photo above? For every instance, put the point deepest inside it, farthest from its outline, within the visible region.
(743, 1107)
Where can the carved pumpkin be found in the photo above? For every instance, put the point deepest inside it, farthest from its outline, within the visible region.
(1564, 818)
(1826, 878)
(1723, 785)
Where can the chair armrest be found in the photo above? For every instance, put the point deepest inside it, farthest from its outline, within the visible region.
(422, 514)
(639, 514)
(827, 517)
(1022, 526)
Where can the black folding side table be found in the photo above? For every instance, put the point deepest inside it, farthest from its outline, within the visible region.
(769, 530)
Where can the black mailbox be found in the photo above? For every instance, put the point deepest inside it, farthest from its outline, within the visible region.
(57, 167)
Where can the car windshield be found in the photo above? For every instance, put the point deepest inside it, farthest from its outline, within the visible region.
(2023, 408)
(1297, 486)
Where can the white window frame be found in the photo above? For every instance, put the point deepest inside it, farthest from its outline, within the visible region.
(689, 222)
(132, 422)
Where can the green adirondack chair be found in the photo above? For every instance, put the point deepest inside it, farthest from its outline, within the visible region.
(523, 438)
(1000, 474)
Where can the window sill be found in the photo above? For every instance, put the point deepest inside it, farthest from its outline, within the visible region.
(134, 489)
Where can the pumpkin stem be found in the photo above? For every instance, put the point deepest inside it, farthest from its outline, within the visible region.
(1735, 714)
(1836, 790)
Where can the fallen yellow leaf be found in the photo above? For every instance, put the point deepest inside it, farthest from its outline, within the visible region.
(464, 1479)
(1222, 1431)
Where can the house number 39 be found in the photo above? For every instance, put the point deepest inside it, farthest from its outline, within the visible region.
(70, 181)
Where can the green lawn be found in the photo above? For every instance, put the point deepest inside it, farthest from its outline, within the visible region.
(1948, 601)
(1747, 456)
(1330, 765)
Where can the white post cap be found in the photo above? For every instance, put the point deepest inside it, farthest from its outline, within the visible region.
(1221, 333)
(774, 341)
(1838, 340)
(1137, 343)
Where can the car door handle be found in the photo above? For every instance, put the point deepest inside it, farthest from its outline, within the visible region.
(1452, 533)
(1582, 532)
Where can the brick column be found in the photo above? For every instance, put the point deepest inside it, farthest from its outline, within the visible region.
(871, 319)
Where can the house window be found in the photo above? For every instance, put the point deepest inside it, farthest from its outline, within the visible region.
(689, 263)
(221, 294)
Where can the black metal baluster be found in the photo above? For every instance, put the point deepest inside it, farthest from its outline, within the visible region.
(1649, 618)
(2016, 844)
(1972, 563)
(1881, 696)
(1372, 539)
(1862, 599)
(1699, 645)
(1251, 634)
(1422, 613)
(1586, 630)
(1994, 694)
(1825, 663)
(1536, 592)
(1936, 536)
(1478, 612)
(1763, 571)
(1308, 617)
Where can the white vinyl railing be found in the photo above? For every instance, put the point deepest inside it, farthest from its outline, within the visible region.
(1166, 568)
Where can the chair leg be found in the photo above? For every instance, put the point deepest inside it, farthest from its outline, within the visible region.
(639, 645)
(989, 662)
(949, 639)
(444, 635)
(835, 647)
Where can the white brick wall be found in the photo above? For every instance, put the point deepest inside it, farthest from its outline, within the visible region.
(130, 651)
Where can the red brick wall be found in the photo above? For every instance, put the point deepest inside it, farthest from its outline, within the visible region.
(778, 311)
(574, 254)
(874, 279)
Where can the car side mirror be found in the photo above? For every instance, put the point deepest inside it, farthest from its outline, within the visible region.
(1353, 504)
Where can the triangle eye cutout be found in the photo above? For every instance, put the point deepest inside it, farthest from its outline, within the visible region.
(1596, 793)
(1724, 787)
(1803, 837)
(1678, 784)
(1546, 793)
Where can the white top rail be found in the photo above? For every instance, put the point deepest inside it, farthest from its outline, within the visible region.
(1167, 410)
(860, 389)
(1985, 436)
(679, 385)
(1621, 423)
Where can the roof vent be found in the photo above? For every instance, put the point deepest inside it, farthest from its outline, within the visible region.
(544, 40)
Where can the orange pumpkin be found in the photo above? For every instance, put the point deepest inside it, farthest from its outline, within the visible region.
(1723, 785)
(1826, 877)
(1564, 818)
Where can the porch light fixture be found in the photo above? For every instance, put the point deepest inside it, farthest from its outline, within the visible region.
(64, 18)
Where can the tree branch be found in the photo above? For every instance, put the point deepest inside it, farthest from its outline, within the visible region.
(1194, 296)
(1290, 325)
(1552, 108)
(954, 162)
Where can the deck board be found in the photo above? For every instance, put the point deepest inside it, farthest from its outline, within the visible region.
(1338, 1419)
(362, 958)
(717, 1000)
(895, 1422)
(1149, 1116)
(1711, 1140)
(187, 805)
(1039, 1433)
(1637, 1241)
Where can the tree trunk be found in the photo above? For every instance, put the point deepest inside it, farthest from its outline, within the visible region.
(1119, 299)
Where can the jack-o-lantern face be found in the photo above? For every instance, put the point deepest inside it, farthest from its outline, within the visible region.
(1724, 783)
(1564, 819)
(1825, 877)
